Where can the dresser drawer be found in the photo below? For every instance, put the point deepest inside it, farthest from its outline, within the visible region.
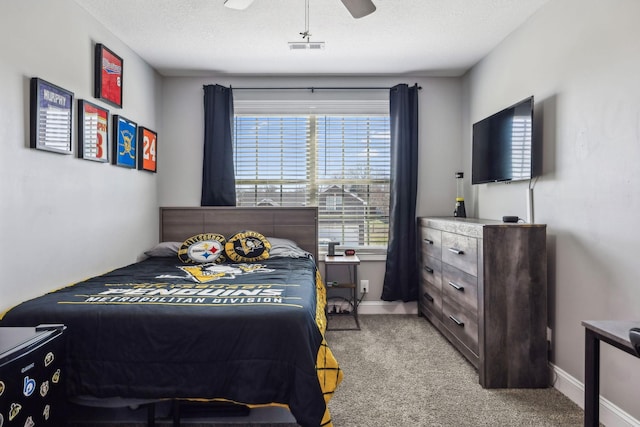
(431, 271)
(460, 287)
(430, 301)
(431, 241)
(492, 277)
(461, 252)
(461, 323)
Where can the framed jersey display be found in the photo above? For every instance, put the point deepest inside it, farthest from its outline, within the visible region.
(50, 117)
(93, 129)
(124, 142)
(108, 76)
(147, 157)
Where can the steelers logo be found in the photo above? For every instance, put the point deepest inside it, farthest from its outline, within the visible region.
(203, 248)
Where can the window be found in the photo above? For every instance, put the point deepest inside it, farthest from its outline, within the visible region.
(334, 202)
(339, 163)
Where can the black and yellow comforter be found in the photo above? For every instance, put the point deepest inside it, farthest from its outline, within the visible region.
(250, 333)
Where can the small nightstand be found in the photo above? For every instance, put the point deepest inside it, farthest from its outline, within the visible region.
(331, 265)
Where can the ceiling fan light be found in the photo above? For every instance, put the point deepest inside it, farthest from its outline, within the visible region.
(359, 8)
(238, 4)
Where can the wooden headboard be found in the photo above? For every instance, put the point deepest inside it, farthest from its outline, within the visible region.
(299, 224)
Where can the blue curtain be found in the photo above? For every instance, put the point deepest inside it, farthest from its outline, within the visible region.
(401, 273)
(218, 178)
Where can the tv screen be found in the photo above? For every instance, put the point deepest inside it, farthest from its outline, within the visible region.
(503, 147)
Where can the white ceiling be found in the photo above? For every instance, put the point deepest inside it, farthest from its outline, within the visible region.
(402, 37)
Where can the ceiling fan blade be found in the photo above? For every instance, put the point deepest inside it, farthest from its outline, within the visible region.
(359, 8)
(238, 4)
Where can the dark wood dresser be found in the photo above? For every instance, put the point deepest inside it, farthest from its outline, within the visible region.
(484, 287)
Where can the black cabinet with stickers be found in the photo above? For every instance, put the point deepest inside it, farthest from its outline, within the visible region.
(32, 391)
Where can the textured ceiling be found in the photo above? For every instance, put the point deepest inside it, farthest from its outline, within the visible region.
(403, 37)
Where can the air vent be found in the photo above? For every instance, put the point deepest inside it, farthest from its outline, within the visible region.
(306, 45)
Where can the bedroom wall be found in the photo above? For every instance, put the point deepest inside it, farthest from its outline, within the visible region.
(63, 219)
(579, 58)
(440, 109)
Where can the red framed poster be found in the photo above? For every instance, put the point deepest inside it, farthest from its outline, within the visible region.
(108, 76)
(93, 129)
(147, 158)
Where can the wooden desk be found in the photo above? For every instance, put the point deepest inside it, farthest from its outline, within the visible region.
(615, 333)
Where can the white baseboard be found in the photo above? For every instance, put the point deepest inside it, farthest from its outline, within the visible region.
(610, 414)
(387, 307)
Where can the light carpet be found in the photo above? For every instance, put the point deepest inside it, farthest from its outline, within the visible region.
(400, 371)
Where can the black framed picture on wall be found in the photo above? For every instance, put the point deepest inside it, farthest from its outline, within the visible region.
(147, 157)
(124, 142)
(108, 75)
(93, 132)
(50, 117)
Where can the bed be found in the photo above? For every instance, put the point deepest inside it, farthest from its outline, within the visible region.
(247, 332)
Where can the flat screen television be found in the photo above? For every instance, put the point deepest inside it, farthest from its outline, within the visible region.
(504, 147)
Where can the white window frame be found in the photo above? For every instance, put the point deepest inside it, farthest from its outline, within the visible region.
(367, 105)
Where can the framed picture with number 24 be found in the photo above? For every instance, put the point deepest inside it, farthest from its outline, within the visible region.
(148, 151)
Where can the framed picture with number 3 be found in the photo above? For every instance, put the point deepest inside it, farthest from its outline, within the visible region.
(147, 157)
(93, 129)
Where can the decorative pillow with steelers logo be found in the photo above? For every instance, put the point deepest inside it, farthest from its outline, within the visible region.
(247, 246)
(203, 248)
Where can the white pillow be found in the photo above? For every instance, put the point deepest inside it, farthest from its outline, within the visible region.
(286, 248)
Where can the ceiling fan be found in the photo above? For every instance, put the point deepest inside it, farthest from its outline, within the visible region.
(357, 8)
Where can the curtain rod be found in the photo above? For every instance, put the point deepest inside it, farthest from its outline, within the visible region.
(313, 89)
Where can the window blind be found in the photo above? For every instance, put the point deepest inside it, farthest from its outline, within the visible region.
(340, 163)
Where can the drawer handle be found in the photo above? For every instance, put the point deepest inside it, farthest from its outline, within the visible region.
(456, 321)
(428, 297)
(456, 287)
(428, 269)
(456, 251)
(428, 241)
